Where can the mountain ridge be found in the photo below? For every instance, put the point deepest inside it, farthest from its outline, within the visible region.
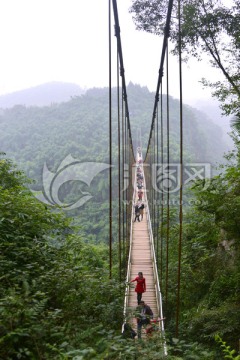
(41, 95)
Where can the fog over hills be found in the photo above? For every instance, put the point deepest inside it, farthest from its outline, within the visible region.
(40, 137)
(58, 92)
(212, 109)
(41, 95)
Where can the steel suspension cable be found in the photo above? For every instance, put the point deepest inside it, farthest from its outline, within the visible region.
(158, 205)
(126, 177)
(151, 177)
(126, 139)
(159, 83)
(168, 184)
(119, 176)
(160, 72)
(122, 71)
(162, 193)
(110, 139)
(154, 192)
(123, 182)
(181, 170)
(130, 190)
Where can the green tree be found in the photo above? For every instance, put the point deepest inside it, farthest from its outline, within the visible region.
(56, 296)
(207, 28)
(210, 271)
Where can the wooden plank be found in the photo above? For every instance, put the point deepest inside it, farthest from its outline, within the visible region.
(141, 260)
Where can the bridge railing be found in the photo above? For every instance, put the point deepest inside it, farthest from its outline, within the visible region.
(156, 279)
(127, 289)
(155, 272)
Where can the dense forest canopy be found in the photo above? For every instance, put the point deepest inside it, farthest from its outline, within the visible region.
(211, 228)
(33, 136)
(57, 300)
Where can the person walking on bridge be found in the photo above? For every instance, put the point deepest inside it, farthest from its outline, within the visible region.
(141, 207)
(140, 195)
(137, 212)
(144, 314)
(140, 287)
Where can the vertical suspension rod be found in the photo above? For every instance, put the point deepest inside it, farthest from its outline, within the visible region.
(119, 178)
(157, 198)
(162, 193)
(123, 183)
(122, 71)
(160, 72)
(181, 174)
(168, 191)
(110, 140)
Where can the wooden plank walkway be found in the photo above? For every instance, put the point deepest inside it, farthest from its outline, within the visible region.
(141, 260)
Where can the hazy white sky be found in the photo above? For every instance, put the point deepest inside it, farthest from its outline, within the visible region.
(67, 40)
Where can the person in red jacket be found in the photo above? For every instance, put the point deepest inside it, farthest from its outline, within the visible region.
(140, 195)
(140, 287)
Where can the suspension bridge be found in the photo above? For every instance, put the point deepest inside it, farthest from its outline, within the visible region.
(141, 246)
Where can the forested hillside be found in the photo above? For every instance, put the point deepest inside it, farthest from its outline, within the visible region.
(32, 136)
(57, 300)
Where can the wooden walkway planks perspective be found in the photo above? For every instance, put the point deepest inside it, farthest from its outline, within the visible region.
(141, 260)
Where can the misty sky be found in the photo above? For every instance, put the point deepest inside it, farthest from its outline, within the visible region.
(67, 40)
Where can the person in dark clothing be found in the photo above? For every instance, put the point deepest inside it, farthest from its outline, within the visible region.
(141, 207)
(144, 314)
(137, 213)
